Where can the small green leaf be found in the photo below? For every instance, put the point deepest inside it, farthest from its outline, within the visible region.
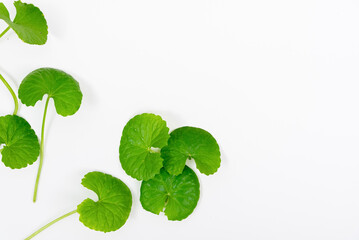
(29, 23)
(113, 207)
(60, 86)
(141, 140)
(177, 196)
(21, 143)
(191, 143)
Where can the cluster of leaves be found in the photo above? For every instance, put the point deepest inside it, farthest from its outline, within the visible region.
(113, 207)
(150, 154)
(19, 145)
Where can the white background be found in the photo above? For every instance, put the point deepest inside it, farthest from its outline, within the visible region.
(276, 82)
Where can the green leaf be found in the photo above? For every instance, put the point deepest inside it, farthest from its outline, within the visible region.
(60, 86)
(4, 13)
(21, 143)
(191, 143)
(177, 196)
(29, 23)
(141, 140)
(113, 207)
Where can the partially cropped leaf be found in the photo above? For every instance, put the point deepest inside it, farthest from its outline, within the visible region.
(177, 196)
(29, 23)
(141, 140)
(191, 143)
(60, 86)
(21, 143)
(4, 13)
(113, 207)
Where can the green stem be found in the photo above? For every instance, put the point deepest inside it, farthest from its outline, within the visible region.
(50, 223)
(12, 94)
(5, 31)
(41, 150)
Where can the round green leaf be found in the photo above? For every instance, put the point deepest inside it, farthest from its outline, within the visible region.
(141, 140)
(113, 207)
(21, 143)
(60, 86)
(29, 23)
(191, 143)
(177, 196)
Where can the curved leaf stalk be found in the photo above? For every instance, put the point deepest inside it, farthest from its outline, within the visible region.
(5, 31)
(41, 150)
(50, 223)
(12, 94)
